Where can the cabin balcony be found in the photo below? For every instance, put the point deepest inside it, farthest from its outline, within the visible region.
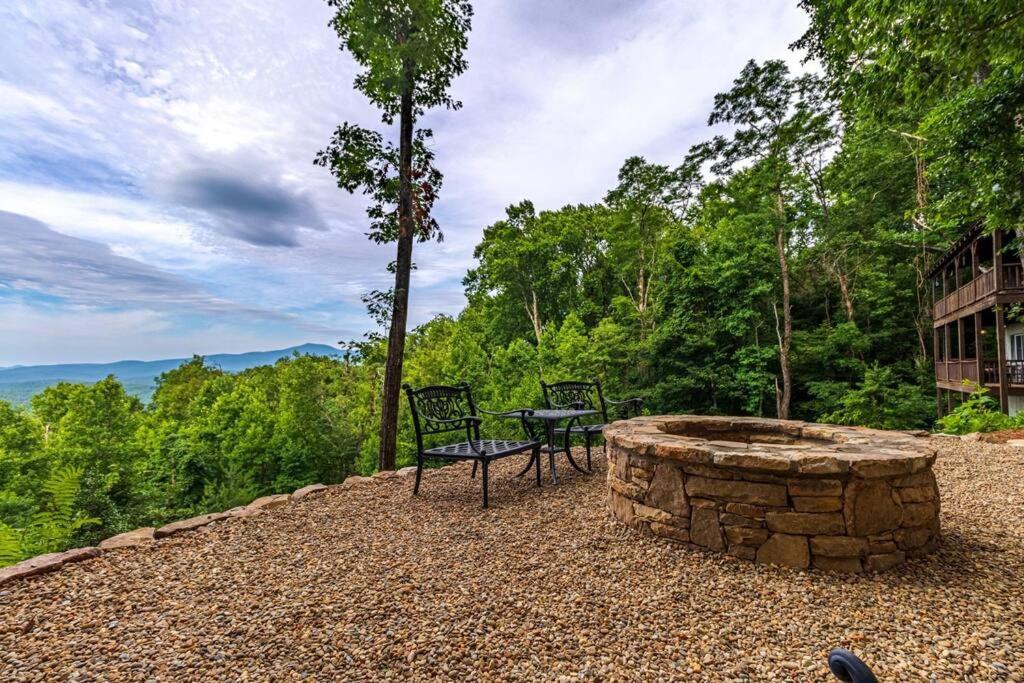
(977, 292)
(952, 374)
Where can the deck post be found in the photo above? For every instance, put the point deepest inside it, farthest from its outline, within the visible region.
(978, 349)
(997, 257)
(1004, 386)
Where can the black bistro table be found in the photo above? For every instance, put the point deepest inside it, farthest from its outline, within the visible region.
(550, 419)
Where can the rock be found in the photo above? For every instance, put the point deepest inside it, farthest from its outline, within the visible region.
(683, 452)
(670, 532)
(705, 530)
(973, 436)
(128, 539)
(816, 487)
(356, 480)
(871, 508)
(742, 551)
(843, 565)
(876, 563)
(43, 564)
(189, 524)
(814, 504)
(745, 510)
(919, 514)
(918, 479)
(739, 520)
(917, 494)
(882, 547)
(708, 471)
(838, 546)
(1015, 443)
(269, 502)
(911, 539)
(737, 491)
(627, 489)
(649, 514)
(385, 474)
(785, 550)
(409, 471)
(667, 491)
(821, 463)
(806, 522)
(641, 476)
(741, 535)
(753, 460)
(876, 466)
(307, 491)
(621, 507)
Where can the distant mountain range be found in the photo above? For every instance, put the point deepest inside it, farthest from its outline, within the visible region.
(19, 383)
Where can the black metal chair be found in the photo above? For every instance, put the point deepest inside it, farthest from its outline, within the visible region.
(578, 395)
(443, 409)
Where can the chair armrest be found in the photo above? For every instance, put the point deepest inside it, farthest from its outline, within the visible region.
(464, 418)
(623, 406)
(517, 412)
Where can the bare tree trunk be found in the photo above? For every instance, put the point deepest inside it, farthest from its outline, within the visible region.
(786, 336)
(403, 268)
(533, 312)
(844, 291)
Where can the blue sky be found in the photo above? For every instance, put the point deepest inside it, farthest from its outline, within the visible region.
(157, 191)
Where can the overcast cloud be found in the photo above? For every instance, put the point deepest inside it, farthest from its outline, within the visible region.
(156, 178)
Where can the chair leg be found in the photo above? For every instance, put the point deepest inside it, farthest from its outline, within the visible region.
(536, 460)
(473, 475)
(485, 482)
(588, 439)
(419, 473)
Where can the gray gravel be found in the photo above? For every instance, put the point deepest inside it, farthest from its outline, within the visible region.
(373, 584)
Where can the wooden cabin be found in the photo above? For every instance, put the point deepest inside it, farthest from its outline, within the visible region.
(978, 320)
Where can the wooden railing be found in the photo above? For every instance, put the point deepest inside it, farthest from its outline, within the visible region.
(1014, 371)
(979, 288)
(957, 371)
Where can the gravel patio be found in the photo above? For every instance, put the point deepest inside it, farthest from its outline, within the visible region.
(373, 584)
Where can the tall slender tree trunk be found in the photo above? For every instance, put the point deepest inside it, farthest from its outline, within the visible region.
(403, 268)
(786, 335)
(533, 313)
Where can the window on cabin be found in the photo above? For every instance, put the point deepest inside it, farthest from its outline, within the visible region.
(1017, 347)
(954, 341)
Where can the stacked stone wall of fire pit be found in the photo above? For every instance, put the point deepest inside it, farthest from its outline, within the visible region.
(781, 492)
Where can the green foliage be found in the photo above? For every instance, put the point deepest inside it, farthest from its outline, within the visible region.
(883, 402)
(54, 525)
(979, 413)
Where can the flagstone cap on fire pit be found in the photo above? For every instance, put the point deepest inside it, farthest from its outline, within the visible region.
(782, 492)
(777, 446)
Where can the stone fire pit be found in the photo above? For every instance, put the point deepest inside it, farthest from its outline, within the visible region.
(777, 491)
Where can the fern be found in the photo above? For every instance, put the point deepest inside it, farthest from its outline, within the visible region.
(10, 545)
(51, 528)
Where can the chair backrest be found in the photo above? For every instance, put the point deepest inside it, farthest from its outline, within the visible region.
(432, 404)
(575, 394)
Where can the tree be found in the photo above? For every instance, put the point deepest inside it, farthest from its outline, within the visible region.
(410, 50)
(947, 77)
(781, 122)
(646, 202)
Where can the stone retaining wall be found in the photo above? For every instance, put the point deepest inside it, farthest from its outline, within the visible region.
(781, 492)
(51, 562)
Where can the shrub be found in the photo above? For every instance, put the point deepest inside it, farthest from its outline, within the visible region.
(979, 413)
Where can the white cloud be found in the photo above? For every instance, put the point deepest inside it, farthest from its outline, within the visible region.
(104, 107)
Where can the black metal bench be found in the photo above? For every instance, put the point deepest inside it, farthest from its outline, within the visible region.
(579, 395)
(443, 409)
